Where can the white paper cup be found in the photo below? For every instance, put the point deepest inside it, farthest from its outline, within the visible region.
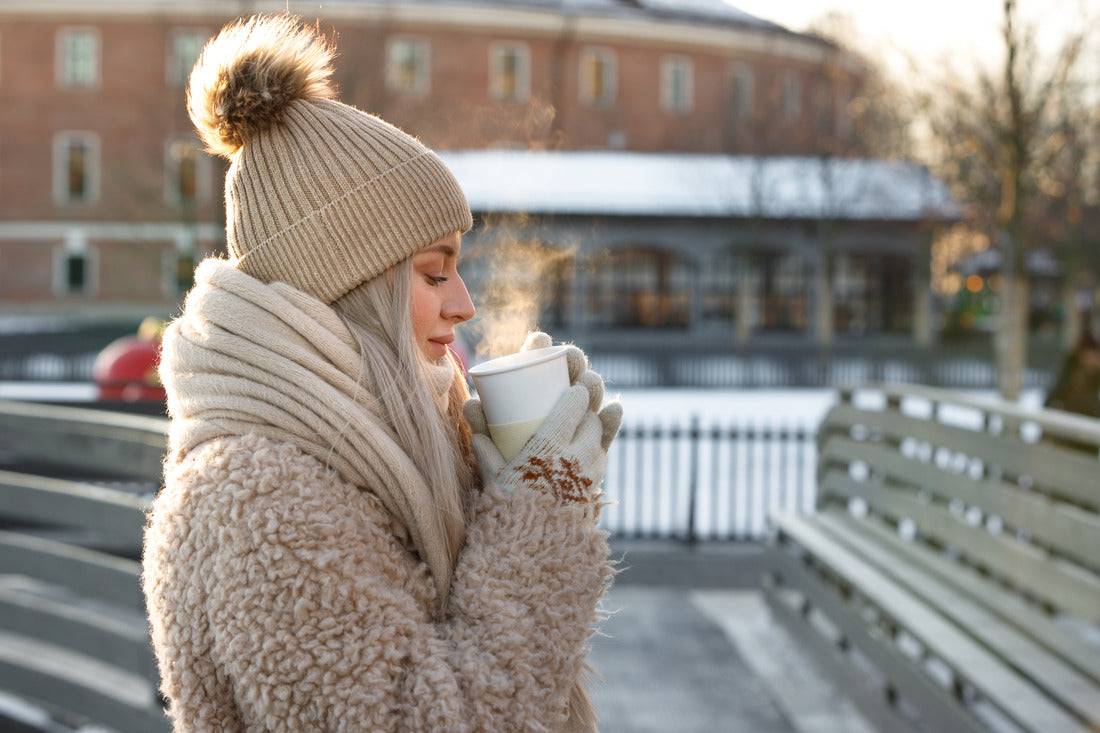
(517, 392)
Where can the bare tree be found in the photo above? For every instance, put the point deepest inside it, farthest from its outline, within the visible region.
(998, 136)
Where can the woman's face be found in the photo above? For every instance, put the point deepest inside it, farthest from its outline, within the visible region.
(440, 300)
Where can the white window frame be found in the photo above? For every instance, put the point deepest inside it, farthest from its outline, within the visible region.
(421, 73)
(61, 144)
(521, 87)
(790, 99)
(671, 66)
(75, 244)
(744, 92)
(609, 68)
(62, 58)
(177, 70)
(203, 173)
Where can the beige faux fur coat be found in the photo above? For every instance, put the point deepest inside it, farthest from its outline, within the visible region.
(281, 601)
(288, 585)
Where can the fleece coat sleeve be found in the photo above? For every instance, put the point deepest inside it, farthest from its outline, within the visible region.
(288, 590)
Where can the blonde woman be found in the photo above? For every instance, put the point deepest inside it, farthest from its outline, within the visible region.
(326, 554)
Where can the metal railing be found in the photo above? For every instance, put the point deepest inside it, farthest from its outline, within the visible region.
(715, 482)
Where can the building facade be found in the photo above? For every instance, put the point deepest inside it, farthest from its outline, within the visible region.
(107, 200)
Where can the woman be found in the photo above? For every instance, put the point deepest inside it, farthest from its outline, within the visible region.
(325, 553)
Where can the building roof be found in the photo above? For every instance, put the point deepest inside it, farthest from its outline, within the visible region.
(711, 12)
(698, 10)
(658, 184)
(705, 11)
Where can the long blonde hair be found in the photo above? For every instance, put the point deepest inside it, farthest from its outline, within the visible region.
(420, 402)
(432, 431)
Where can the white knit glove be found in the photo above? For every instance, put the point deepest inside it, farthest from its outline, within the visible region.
(567, 455)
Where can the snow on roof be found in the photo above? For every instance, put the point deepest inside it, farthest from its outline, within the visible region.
(658, 184)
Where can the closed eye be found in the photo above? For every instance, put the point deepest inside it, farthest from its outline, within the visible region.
(436, 279)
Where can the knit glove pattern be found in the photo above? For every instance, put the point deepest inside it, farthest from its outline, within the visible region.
(567, 455)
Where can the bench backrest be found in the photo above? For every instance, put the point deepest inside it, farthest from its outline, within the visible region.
(79, 543)
(1012, 493)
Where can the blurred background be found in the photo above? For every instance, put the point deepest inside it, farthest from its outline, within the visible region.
(699, 193)
(735, 208)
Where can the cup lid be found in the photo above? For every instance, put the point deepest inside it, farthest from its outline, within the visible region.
(519, 360)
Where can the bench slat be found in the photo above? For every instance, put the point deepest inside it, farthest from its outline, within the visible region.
(119, 709)
(1065, 473)
(96, 574)
(110, 442)
(1063, 683)
(1028, 567)
(995, 598)
(125, 645)
(1064, 527)
(935, 703)
(1015, 696)
(72, 503)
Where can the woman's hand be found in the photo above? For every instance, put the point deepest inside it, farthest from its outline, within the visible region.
(567, 455)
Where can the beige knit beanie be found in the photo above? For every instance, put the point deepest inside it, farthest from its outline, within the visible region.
(319, 195)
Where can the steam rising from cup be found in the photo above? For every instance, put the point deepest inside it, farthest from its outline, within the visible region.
(519, 277)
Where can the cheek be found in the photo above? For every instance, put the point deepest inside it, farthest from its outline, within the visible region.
(424, 306)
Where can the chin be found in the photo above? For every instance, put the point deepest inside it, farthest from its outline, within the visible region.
(434, 353)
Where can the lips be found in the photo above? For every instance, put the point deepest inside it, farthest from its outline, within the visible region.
(445, 340)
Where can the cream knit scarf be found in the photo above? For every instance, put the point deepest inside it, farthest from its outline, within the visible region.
(248, 357)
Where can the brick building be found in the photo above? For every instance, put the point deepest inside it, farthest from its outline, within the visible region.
(105, 197)
(107, 200)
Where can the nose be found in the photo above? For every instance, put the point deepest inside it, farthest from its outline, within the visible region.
(458, 307)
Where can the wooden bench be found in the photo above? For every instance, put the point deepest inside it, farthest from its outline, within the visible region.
(73, 633)
(949, 579)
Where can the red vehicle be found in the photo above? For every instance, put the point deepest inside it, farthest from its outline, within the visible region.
(126, 370)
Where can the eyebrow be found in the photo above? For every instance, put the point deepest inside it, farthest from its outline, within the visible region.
(444, 249)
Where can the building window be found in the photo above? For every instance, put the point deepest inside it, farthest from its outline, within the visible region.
(78, 58)
(185, 48)
(719, 288)
(790, 101)
(640, 288)
(676, 84)
(76, 168)
(187, 173)
(844, 115)
(823, 107)
(851, 291)
(407, 66)
(784, 282)
(744, 92)
(509, 72)
(179, 269)
(599, 77)
(872, 294)
(74, 267)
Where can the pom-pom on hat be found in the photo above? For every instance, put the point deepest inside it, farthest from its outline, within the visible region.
(319, 195)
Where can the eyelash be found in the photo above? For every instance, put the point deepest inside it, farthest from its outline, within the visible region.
(436, 279)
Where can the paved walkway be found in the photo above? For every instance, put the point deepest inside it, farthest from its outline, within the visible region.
(684, 650)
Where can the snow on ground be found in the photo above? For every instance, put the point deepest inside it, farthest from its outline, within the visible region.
(771, 407)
